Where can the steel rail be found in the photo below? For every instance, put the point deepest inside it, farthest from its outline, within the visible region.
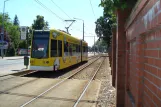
(86, 87)
(17, 74)
(56, 84)
(89, 58)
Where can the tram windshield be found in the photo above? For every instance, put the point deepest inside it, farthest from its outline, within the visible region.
(40, 44)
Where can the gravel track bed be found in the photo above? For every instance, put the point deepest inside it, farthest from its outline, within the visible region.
(106, 96)
(103, 73)
(75, 70)
(87, 73)
(107, 92)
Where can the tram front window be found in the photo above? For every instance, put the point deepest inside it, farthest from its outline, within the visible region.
(40, 46)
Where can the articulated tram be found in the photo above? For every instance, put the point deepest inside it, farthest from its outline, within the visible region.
(53, 50)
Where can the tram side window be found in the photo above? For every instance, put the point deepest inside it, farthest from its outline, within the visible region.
(77, 49)
(70, 49)
(84, 49)
(66, 50)
(74, 49)
(53, 48)
(59, 48)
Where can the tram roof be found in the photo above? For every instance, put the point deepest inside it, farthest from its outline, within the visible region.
(65, 33)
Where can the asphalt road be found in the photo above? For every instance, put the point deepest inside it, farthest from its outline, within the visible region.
(8, 66)
(8, 62)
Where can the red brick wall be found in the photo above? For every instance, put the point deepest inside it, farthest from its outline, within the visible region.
(121, 57)
(143, 55)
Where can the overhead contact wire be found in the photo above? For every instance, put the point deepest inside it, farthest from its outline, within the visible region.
(60, 9)
(40, 3)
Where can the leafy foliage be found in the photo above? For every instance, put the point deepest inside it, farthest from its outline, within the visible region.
(105, 23)
(16, 21)
(112, 5)
(40, 23)
(12, 33)
(104, 27)
(100, 46)
(11, 50)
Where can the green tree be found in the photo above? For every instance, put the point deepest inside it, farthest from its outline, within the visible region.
(39, 23)
(13, 34)
(100, 46)
(104, 26)
(16, 21)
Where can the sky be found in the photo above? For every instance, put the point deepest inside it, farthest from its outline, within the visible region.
(27, 10)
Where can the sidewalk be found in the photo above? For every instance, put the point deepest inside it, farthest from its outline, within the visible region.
(6, 70)
(9, 65)
(12, 58)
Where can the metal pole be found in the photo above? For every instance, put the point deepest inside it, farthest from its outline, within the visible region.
(83, 30)
(3, 29)
(67, 29)
(27, 43)
(94, 45)
(27, 40)
(69, 25)
(27, 47)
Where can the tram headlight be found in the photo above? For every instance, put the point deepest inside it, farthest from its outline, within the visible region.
(46, 62)
(31, 61)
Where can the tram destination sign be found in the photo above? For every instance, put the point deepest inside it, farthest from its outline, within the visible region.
(41, 34)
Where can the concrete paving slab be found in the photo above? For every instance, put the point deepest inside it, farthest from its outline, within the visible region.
(6, 77)
(10, 83)
(90, 97)
(85, 104)
(66, 95)
(35, 87)
(50, 103)
(69, 89)
(9, 100)
(92, 90)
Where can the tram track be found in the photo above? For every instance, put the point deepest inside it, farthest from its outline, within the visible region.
(20, 74)
(55, 85)
(7, 91)
(87, 85)
(24, 74)
(19, 85)
(27, 72)
(86, 73)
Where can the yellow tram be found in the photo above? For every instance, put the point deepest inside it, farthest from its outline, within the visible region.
(53, 50)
